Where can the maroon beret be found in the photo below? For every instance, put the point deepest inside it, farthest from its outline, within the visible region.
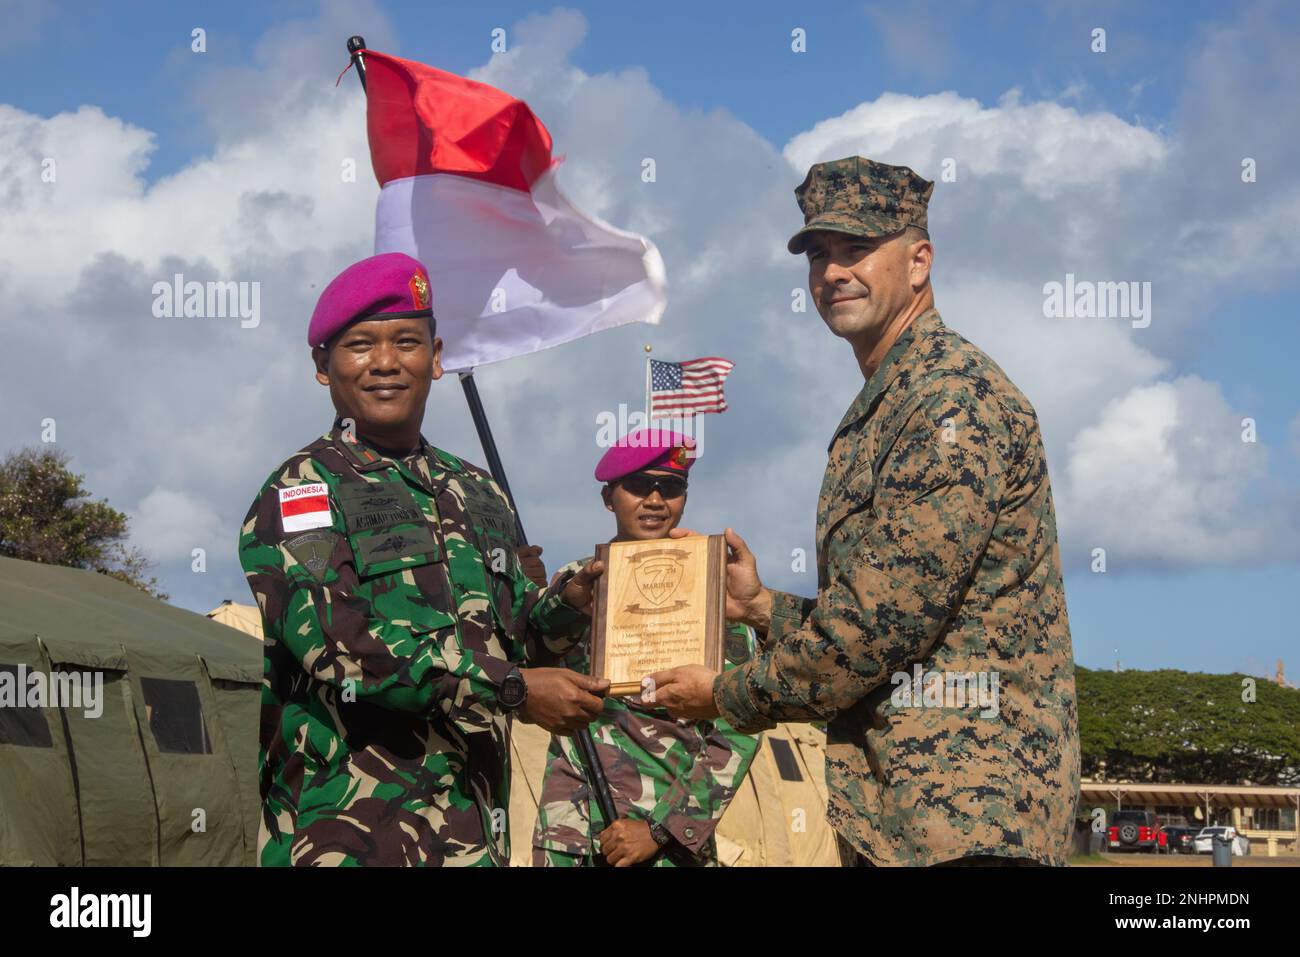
(389, 286)
(646, 449)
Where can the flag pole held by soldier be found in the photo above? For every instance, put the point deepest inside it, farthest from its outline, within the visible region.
(356, 46)
(398, 646)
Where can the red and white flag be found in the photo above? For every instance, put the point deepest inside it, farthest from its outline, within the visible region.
(682, 389)
(305, 506)
(468, 188)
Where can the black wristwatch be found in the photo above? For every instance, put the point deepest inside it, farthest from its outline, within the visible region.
(660, 834)
(514, 690)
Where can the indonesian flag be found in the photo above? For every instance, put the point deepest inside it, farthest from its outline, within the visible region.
(305, 506)
(468, 188)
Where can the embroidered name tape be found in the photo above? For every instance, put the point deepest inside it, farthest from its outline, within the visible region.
(305, 506)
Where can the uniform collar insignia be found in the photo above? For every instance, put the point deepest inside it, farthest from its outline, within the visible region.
(362, 456)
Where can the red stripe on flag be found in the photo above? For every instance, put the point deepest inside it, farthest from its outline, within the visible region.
(424, 120)
(308, 503)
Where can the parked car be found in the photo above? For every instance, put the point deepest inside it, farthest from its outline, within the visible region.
(1205, 840)
(1134, 831)
(1180, 839)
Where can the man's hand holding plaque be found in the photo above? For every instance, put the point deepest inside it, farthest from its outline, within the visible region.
(686, 691)
(557, 699)
(560, 700)
(581, 588)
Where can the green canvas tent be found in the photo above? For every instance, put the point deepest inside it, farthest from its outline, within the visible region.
(162, 769)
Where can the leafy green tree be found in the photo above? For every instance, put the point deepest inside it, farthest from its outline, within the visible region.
(1187, 727)
(46, 516)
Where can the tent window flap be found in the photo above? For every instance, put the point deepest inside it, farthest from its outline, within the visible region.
(176, 716)
(20, 724)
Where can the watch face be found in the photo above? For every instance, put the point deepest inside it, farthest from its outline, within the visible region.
(512, 690)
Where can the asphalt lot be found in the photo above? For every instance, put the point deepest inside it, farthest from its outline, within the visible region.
(1180, 860)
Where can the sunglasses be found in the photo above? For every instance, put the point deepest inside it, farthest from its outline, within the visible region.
(643, 486)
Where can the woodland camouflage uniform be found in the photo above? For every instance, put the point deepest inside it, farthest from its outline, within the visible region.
(681, 774)
(388, 632)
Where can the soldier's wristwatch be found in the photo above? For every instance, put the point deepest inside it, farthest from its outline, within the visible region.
(660, 834)
(514, 690)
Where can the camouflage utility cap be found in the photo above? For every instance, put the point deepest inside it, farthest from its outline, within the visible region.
(860, 197)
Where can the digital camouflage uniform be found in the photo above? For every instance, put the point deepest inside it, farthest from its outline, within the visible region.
(680, 774)
(936, 543)
(388, 632)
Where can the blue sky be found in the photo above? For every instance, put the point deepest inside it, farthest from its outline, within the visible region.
(1196, 89)
(132, 59)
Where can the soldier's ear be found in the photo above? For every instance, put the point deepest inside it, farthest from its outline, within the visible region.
(321, 358)
(437, 358)
(606, 491)
(920, 258)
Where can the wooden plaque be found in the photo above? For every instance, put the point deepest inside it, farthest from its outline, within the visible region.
(659, 604)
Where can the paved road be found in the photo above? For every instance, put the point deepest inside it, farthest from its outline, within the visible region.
(1182, 860)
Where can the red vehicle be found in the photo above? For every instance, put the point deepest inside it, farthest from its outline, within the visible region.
(1135, 831)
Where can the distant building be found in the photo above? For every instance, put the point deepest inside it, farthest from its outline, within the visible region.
(1268, 816)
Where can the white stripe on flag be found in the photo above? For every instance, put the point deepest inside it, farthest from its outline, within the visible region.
(693, 390)
(555, 273)
(676, 403)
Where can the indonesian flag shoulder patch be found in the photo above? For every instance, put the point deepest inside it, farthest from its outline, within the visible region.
(305, 506)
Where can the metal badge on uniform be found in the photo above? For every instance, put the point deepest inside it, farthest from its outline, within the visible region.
(304, 507)
(420, 291)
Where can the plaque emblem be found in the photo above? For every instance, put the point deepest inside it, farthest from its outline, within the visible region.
(657, 574)
(659, 604)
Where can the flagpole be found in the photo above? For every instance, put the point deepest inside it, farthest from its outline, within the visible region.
(596, 779)
(485, 439)
(647, 385)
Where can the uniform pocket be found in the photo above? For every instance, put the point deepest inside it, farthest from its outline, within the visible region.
(851, 511)
(386, 528)
(415, 596)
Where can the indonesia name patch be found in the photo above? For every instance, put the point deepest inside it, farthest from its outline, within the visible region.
(305, 506)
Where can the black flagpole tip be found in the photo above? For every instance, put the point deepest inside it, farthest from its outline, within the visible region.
(356, 44)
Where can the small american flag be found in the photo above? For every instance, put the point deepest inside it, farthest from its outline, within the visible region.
(682, 389)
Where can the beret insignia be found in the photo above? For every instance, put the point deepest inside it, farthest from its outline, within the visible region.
(420, 291)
